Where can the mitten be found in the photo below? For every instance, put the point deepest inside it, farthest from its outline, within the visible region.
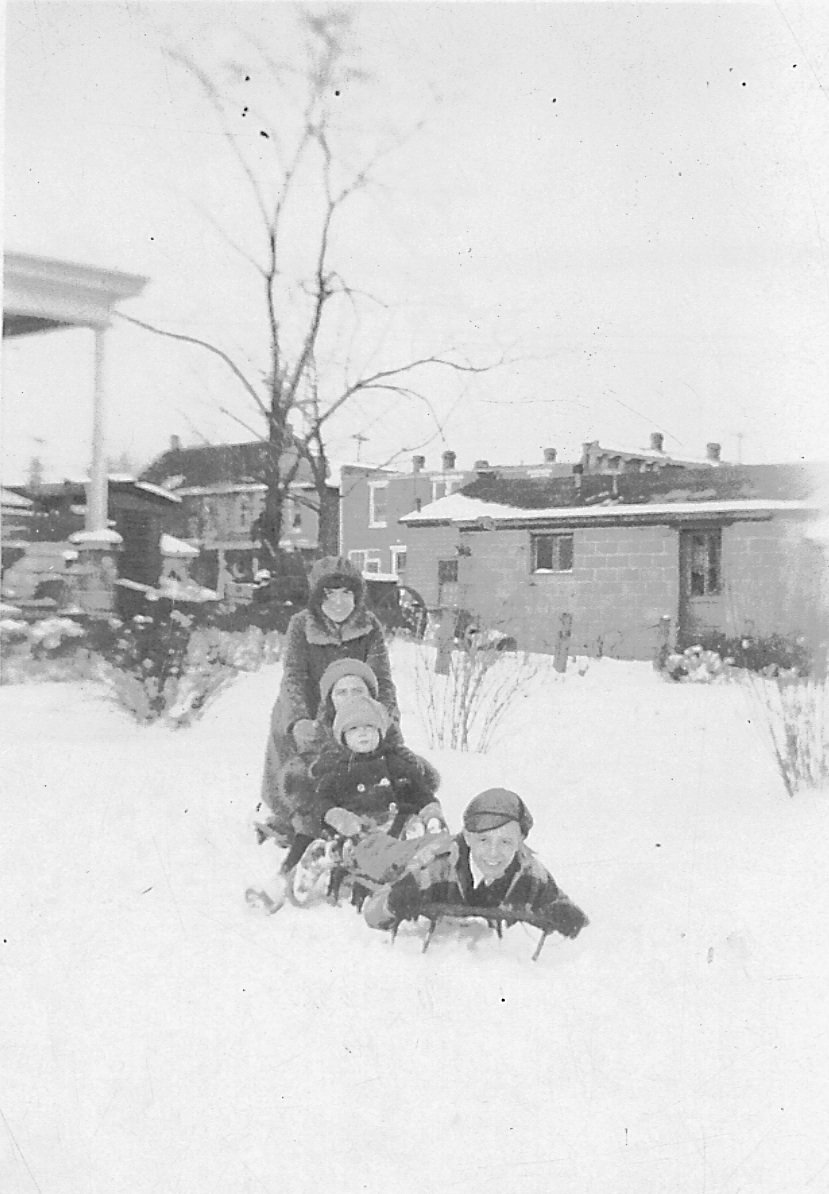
(305, 733)
(432, 817)
(566, 918)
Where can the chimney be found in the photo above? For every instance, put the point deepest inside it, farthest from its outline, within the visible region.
(175, 443)
(448, 459)
(479, 464)
(657, 441)
(550, 455)
(712, 452)
(417, 463)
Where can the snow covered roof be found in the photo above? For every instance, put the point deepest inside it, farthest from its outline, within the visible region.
(14, 501)
(170, 546)
(458, 508)
(105, 535)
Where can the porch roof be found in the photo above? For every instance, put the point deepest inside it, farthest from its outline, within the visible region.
(42, 293)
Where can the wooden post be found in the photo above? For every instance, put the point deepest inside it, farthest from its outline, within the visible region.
(563, 644)
(97, 496)
(444, 638)
(663, 642)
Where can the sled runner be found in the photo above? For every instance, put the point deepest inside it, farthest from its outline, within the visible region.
(496, 918)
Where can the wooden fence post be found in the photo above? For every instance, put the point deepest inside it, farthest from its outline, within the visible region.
(663, 642)
(563, 643)
(444, 638)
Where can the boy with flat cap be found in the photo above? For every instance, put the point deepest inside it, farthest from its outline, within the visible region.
(487, 865)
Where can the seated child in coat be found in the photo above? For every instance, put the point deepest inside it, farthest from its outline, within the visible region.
(367, 772)
(487, 865)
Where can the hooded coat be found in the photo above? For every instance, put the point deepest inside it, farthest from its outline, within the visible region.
(312, 642)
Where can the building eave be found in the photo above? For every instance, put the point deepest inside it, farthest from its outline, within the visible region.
(493, 515)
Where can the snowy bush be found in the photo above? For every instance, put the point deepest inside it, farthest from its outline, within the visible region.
(463, 709)
(697, 665)
(793, 713)
(49, 649)
(161, 668)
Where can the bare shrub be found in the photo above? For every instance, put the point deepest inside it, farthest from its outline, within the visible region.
(793, 713)
(464, 708)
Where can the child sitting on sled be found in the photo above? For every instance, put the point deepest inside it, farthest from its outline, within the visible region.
(367, 774)
(487, 866)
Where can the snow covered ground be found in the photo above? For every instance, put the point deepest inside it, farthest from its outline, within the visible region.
(159, 1037)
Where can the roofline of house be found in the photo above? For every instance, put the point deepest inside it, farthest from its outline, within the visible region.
(652, 512)
(226, 487)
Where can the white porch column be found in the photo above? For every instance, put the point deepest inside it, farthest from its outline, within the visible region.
(97, 497)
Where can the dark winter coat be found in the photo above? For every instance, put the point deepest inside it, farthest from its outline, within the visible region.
(312, 642)
(440, 874)
(366, 784)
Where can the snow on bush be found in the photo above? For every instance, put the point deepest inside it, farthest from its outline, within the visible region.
(161, 668)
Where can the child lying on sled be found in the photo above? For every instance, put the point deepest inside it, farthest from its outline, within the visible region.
(486, 866)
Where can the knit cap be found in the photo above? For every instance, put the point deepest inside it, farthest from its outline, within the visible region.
(361, 711)
(495, 807)
(347, 667)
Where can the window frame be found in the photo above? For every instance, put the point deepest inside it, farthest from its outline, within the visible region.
(373, 520)
(395, 552)
(557, 537)
(712, 536)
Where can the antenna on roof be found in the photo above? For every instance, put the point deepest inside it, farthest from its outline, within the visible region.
(361, 439)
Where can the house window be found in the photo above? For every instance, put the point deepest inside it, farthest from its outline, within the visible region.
(293, 513)
(444, 486)
(365, 559)
(358, 559)
(398, 560)
(377, 503)
(552, 553)
(706, 563)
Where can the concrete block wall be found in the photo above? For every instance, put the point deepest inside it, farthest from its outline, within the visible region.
(623, 580)
(772, 578)
(424, 547)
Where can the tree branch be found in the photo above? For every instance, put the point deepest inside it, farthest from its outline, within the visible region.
(148, 327)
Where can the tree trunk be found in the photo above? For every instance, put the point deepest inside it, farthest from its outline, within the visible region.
(329, 522)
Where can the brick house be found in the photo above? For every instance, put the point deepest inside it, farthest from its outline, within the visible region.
(723, 549)
(222, 493)
(373, 501)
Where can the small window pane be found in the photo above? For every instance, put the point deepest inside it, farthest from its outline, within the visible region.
(552, 553)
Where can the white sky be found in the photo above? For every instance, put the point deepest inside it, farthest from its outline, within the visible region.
(630, 201)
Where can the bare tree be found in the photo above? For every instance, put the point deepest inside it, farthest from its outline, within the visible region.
(300, 162)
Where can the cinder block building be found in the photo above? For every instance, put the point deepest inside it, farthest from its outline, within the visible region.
(715, 550)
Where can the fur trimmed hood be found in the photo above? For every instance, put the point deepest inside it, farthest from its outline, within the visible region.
(335, 572)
